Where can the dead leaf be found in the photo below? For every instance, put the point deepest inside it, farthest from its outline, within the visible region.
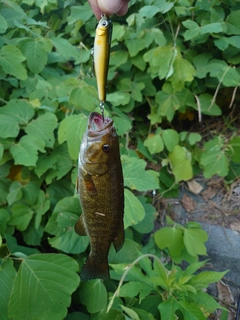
(209, 193)
(188, 203)
(235, 226)
(226, 298)
(194, 186)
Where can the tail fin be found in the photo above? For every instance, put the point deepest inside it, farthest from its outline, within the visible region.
(94, 269)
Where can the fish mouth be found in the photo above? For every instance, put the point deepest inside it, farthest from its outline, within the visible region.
(97, 125)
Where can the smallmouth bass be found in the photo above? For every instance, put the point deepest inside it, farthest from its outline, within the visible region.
(100, 184)
(101, 53)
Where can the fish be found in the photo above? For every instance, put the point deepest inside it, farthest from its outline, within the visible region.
(101, 54)
(101, 189)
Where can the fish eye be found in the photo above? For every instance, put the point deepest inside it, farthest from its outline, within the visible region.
(106, 148)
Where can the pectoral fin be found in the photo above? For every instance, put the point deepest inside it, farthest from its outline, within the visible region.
(119, 240)
(80, 227)
(89, 183)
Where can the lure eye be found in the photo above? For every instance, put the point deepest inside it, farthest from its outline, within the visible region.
(104, 23)
(106, 148)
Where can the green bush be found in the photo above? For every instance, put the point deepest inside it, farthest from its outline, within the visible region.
(167, 59)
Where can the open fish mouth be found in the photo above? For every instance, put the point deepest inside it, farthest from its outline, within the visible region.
(97, 125)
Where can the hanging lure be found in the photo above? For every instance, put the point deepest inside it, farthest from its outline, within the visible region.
(101, 55)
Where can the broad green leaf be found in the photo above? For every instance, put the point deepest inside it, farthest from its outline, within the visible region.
(180, 160)
(170, 237)
(203, 279)
(170, 139)
(161, 60)
(133, 288)
(11, 60)
(205, 301)
(214, 27)
(154, 143)
(194, 240)
(43, 128)
(234, 152)
(183, 72)
(147, 224)
(128, 253)
(201, 63)
(135, 175)
(49, 280)
(80, 12)
(78, 316)
(191, 311)
(194, 138)
(93, 294)
(21, 216)
(193, 31)
(34, 51)
(122, 124)
(232, 23)
(4, 217)
(143, 314)
(3, 24)
(132, 314)
(205, 101)
(213, 158)
(119, 98)
(71, 129)
(15, 192)
(21, 111)
(148, 11)
(84, 97)
(64, 48)
(134, 211)
(7, 275)
(167, 309)
(26, 150)
(9, 127)
(167, 103)
(135, 45)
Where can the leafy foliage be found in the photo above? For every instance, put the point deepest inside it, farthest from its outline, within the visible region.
(159, 70)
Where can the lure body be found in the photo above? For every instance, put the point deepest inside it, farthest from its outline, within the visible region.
(100, 184)
(101, 55)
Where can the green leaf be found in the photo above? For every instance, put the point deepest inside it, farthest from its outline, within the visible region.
(170, 139)
(49, 280)
(213, 158)
(42, 128)
(9, 127)
(133, 288)
(94, 295)
(180, 160)
(167, 103)
(26, 150)
(7, 275)
(80, 12)
(21, 216)
(235, 149)
(194, 138)
(183, 72)
(148, 11)
(3, 24)
(130, 312)
(203, 279)
(135, 175)
(193, 31)
(65, 49)
(20, 111)
(154, 143)
(167, 309)
(146, 225)
(205, 301)
(190, 311)
(171, 238)
(15, 192)
(11, 60)
(84, 98)
(232, 22)
(4, 217)
(34, 51)
(161, 59)
(134, 211)
(194, 240)
(71, 129)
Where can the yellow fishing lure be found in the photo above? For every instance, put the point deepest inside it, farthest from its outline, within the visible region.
(101, 55)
